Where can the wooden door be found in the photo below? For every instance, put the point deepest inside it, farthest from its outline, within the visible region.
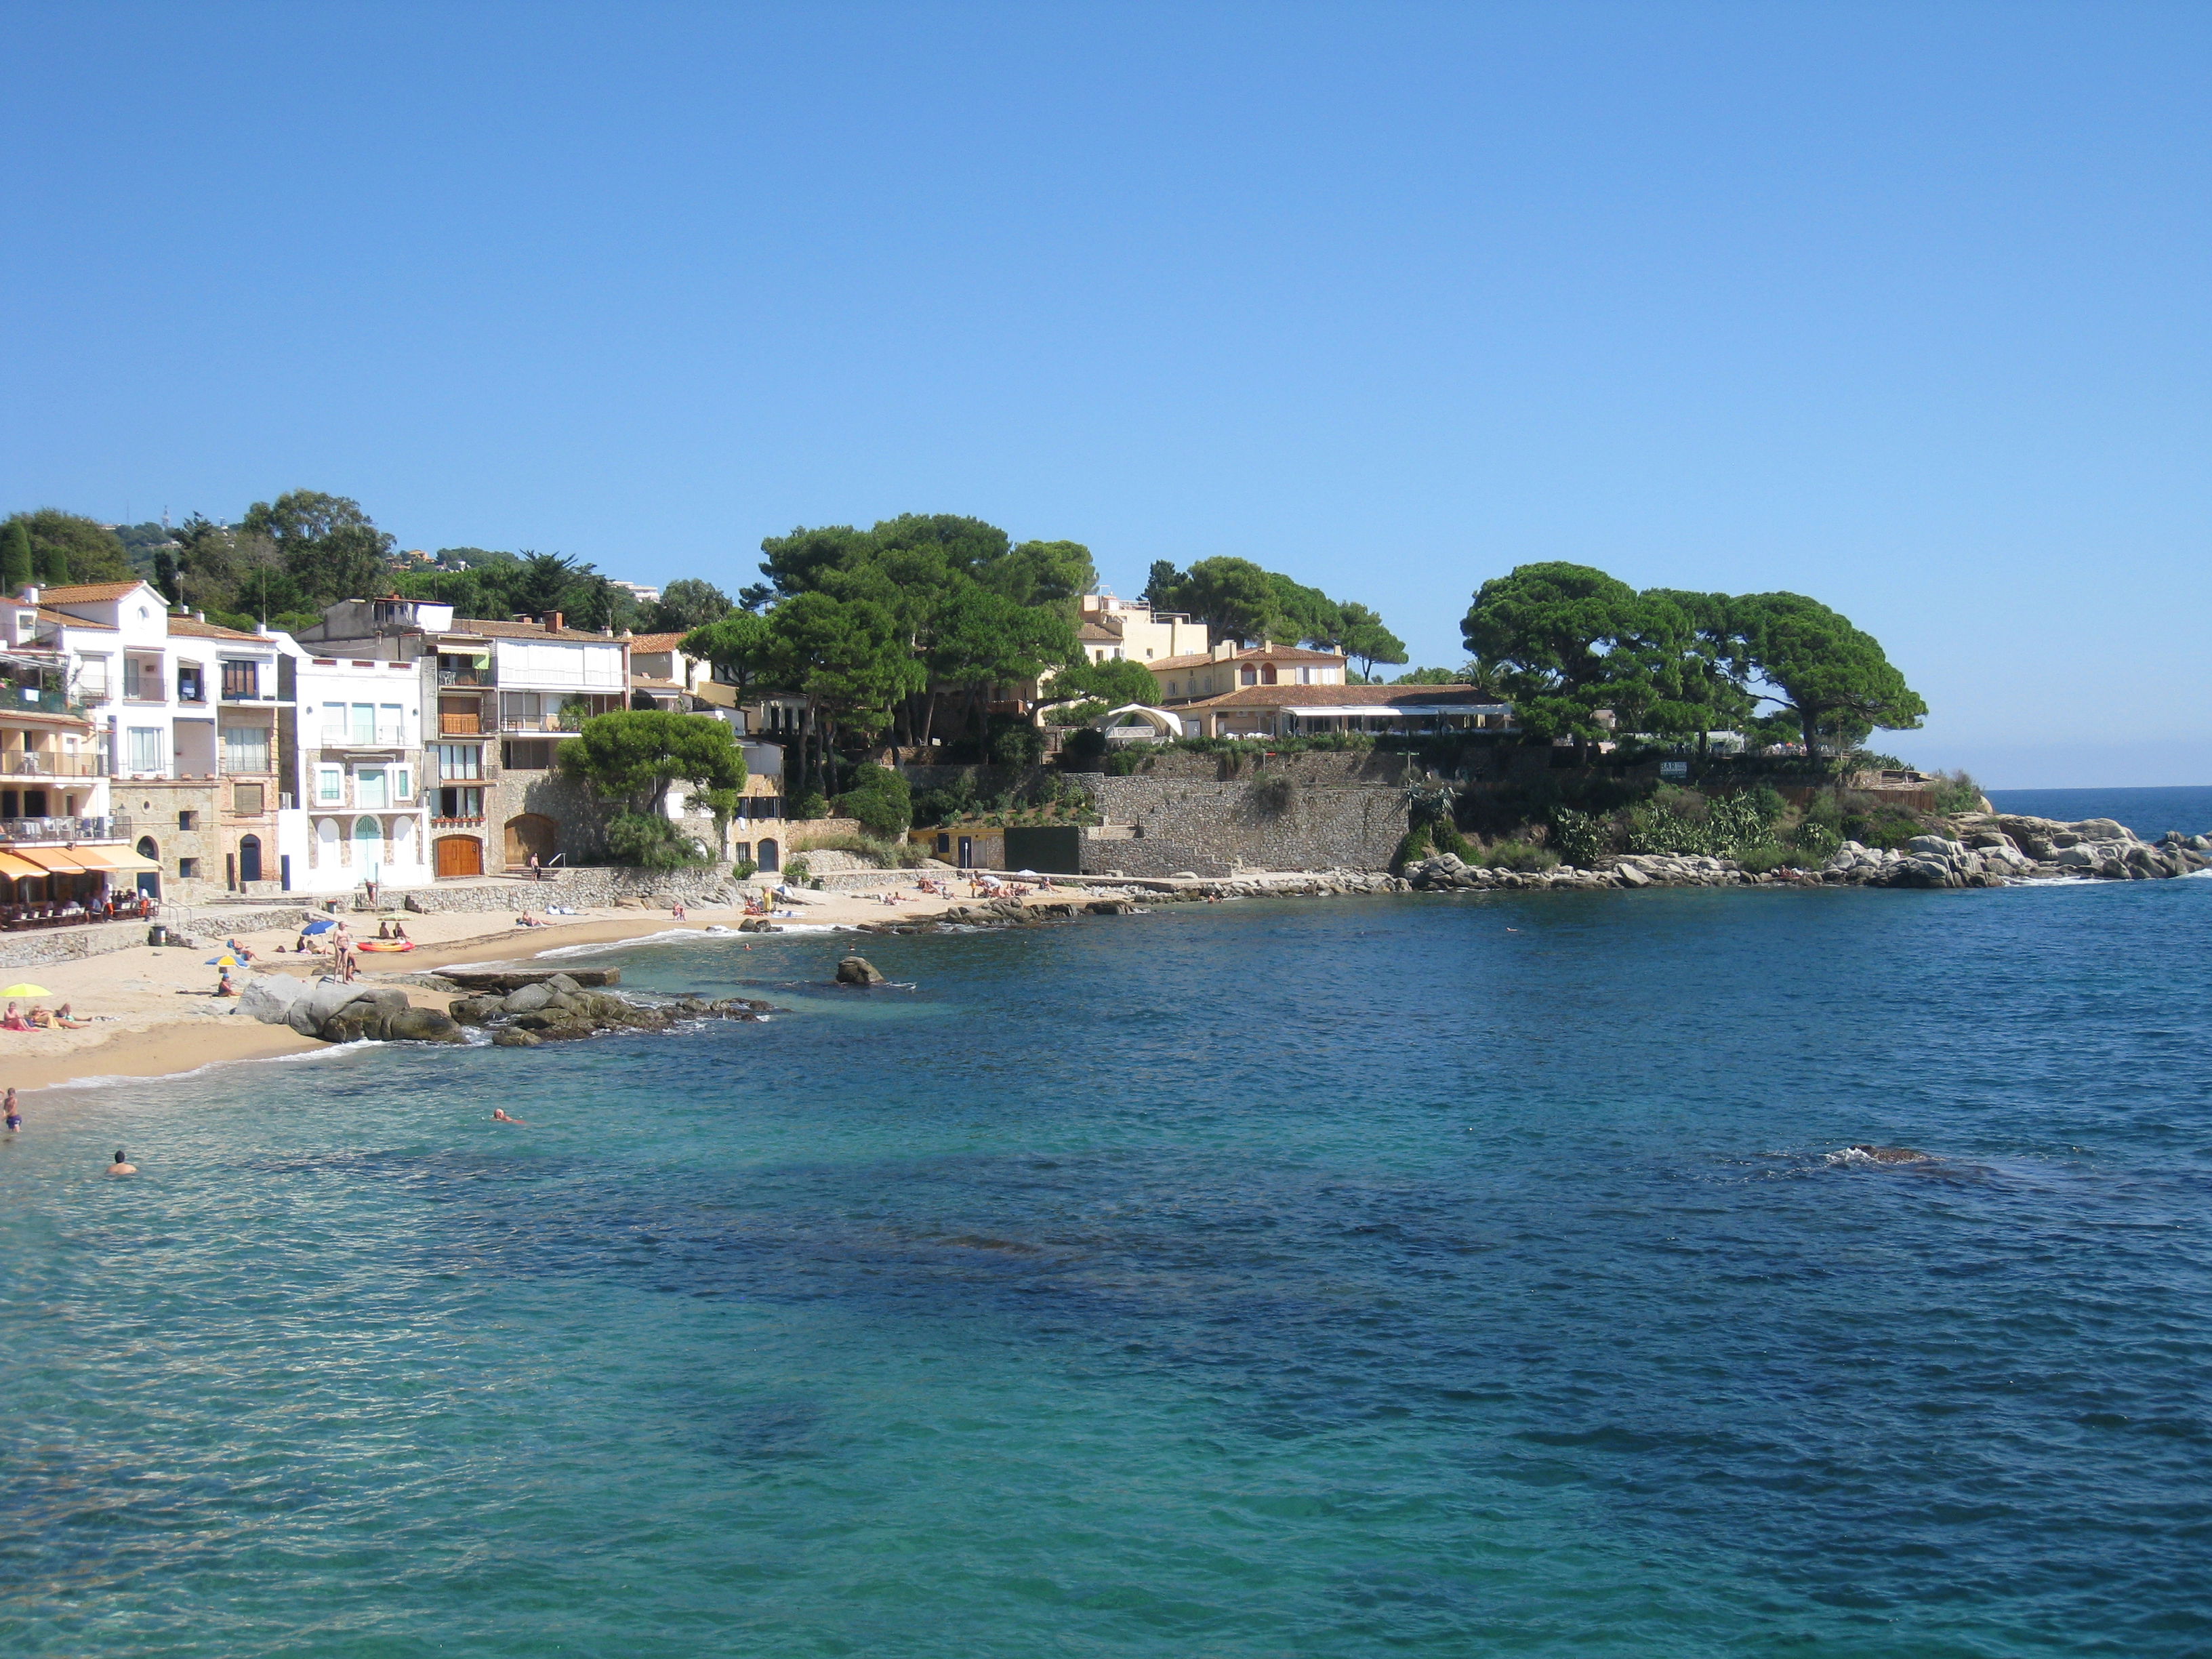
(460, 855)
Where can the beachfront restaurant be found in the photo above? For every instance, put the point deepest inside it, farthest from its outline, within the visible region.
(71, 886)
(1288, 711)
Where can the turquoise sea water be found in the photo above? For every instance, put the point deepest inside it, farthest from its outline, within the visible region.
(1437, 1275)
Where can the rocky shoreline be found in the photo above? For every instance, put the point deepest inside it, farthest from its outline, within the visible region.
(1983, 850)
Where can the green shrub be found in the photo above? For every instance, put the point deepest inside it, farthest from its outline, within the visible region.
(813, 803)
(880, 854)
(1414, 846)
(1957, 792)
(646, 840)
(1448, 839)
(1084, 750)
(796, 870)
(1583, 838)
(880, 799)
(1015, 741)
(746, 870)
(1518, 855)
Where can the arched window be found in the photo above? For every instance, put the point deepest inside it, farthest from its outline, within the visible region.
(149, 849)
(326, 842)
(1267, 673)
(770, 857)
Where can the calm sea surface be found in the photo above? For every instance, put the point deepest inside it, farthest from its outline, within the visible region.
(2149, 813)
(1452, 1276)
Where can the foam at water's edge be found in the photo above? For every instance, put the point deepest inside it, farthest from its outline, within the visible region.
(324, 1053)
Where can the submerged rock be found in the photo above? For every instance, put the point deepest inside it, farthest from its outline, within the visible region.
(859, 971)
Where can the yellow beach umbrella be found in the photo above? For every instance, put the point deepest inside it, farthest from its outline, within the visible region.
(226, 960)
(26, 990)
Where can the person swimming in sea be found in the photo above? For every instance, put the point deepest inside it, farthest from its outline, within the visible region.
(499, 1115)
(122, 1165)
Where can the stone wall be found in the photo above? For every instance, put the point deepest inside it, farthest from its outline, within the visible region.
(28, 950)
(1157, 826)
(584, 886)
(1337, 767)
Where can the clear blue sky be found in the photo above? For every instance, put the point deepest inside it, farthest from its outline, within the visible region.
(1903, 306)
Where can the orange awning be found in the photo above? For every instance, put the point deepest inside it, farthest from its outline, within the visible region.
(51, 861)
(14, 868)
(113, 859)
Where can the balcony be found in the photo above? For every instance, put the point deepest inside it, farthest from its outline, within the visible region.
(465, 677)
(568, 721)
(461, 726)
(32, 700)
(438, 823)
(387, 738)
(46, 830)
(37, 763)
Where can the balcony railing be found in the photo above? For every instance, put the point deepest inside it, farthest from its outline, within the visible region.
(31, 700)
(461, 823)
(385, 739)
(568, 721)
(465, 677)
(35, 764)
(56, 829)
(461, 726)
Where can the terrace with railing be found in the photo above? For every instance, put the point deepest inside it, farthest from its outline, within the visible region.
(46, 831)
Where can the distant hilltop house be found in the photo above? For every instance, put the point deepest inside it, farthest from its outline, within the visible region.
(1271, 690)
(1114, 630)
(638, 590)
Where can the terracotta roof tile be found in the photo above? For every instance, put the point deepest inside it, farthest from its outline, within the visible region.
(1345, 696)
(655, 642)
(88, 592)
(1272, 654)
(192, 628)
(65, 620)
(515, 630)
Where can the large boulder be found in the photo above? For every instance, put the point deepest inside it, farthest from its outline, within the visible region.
(318, 1002)
(269, 997)
(529, 999)
(859, 971)
(423, 1025)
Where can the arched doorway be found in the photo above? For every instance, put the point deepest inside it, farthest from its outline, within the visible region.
(368, 849)
(403, 841)
(529, 833)
(771, 857)
(249, 858)
(460, 855)
(326, 842)
(150, 884)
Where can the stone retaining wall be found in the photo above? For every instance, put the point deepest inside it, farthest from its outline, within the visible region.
(1273, 822)
(99, 939)
(585, 886)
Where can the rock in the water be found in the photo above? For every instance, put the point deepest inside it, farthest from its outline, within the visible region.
(859, 971)
(1630, 876)
(512, 1038)
(529, 999)
(423, 1025)
(475, 1011)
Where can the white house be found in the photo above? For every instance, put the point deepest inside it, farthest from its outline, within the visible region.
(363, 811)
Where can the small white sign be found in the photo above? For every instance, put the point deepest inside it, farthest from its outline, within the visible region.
(1673, 769)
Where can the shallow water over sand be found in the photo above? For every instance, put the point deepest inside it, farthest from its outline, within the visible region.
(1301, 1277)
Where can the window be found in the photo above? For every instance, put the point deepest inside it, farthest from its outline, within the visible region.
(245, 799)
(526, 755)
(369, 784)
(92, 678)
(330, 786)
(1305, 676)
(241, 680)
(188, 868)
(364, 722)
(130, 677)
(246, 749)
(188, 819)
(389, 729)
(334, 722)
(190, 688)
(1248, 676)
(461, 802)
(403, 782)
(458, 760)
(522, 709)
(145, 750)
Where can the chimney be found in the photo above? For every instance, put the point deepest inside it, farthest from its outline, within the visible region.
(31, 595)
(553, 621)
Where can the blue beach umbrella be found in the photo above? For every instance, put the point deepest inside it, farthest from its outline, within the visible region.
(323, 926)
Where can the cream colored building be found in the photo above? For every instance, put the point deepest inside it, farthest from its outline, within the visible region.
(1230, 667)
(1112, 630)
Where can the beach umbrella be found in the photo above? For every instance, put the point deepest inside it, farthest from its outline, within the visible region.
(25, 989)
(323, 926)
(226, 960)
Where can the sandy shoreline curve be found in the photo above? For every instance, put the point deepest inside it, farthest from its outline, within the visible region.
(154, 1016)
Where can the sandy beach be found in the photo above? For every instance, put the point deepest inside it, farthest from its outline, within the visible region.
(154, 1014)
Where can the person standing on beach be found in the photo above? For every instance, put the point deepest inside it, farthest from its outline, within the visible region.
(15, 1113)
